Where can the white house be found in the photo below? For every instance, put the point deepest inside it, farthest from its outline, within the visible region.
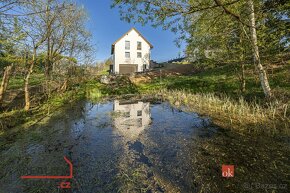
(132, 118)
(131, 53)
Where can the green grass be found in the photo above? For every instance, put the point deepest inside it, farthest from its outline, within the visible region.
(17, 82)
(238, 115)
(19, 117)
(220, 84)
(224, 80)
(104, 71)
(92, 90)
(216, 92)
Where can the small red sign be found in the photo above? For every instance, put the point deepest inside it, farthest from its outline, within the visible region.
(228, 171)
(65, 185)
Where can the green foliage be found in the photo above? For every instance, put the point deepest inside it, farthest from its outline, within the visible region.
(222, 80)
(8, 60)
(219, 29)
(274, 31)
(11, 35)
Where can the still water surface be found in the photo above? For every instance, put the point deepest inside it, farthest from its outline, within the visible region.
(135, 146)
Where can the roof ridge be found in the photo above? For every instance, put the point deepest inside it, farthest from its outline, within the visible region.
(133, 28)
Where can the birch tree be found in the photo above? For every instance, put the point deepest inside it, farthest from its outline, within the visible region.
(261, 71)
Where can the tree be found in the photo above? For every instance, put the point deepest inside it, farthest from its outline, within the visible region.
(257, 61)
(5, 81)
(174, 15)
(273, 30)
(7, 5)
(216, 33)
(9, 44)
(55, 29)
(36, 36)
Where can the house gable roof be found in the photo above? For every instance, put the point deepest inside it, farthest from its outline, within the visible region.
(113, 45)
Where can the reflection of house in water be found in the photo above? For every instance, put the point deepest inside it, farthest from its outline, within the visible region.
(131, 118)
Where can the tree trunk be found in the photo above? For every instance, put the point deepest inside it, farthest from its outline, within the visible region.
(261, 71)
(5, 81)
(48, 51)
(26, 82)
(48, 59)
(242, 63)
(243, 79)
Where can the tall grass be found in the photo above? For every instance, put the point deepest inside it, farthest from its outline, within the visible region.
(233, 114)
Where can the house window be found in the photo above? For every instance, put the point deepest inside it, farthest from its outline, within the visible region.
(139, 113)
(139, 45)
(139, 54)
(127, 45)
(127, 54)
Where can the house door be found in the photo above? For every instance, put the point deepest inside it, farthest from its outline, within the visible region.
(127, 68)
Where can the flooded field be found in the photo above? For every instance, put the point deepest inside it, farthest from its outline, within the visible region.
(138, 146)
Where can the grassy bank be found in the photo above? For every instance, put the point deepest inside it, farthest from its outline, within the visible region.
(227, 113)
(213, 92)
(17, 82)
(216, 92)
(224, 80)
(20, 117)
(91, 89)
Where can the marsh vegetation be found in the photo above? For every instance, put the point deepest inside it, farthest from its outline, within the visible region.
(166, 130)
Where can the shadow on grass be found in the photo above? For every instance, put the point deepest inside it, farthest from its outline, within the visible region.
(261, 163)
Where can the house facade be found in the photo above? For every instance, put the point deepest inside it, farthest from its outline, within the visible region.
(131, 53)
(131, 118)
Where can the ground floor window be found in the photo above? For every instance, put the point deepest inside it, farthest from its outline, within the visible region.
(139, 54)
(127, 54)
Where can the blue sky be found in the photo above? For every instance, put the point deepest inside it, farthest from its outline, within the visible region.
(106, 27)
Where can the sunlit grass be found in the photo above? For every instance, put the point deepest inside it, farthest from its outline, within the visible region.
(20, 117)
(17, 82)
(238, 115)
(224, 80)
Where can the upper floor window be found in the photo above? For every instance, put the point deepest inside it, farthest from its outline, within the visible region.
(139, 45)
(127, 45)
(139, 54)
(139, 113)
(127, 54)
